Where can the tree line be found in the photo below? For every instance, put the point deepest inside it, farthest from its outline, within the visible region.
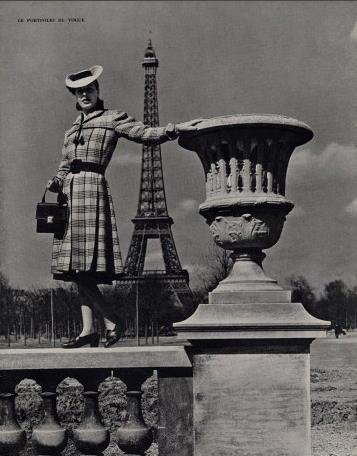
(336, 303)
(149, 309)
(44, 313)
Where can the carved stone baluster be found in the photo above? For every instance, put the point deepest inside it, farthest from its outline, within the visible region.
(253, 164)
(259, 167)
(276, 165)
(216, 170)
(12, 437)
(247, 167)
(279, 166)
(91, 437)
(213, 179)
(223, 175)
(49, 438)
(209, 182)
(134, 437)
(233, 174)
(233, 165)
(223, 164)
(240, 155)
(272, 155)
(246, 164)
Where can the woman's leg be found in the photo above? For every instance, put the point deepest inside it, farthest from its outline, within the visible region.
(95, 298)
(109, 325)
(87, 312)
(88, 321)
(88, 336)
(96, 301)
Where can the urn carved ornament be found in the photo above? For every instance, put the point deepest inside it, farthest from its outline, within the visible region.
(247, 231)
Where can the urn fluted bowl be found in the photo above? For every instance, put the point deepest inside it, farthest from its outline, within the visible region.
(245, 159)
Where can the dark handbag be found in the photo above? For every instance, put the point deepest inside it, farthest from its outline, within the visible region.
(52, 217)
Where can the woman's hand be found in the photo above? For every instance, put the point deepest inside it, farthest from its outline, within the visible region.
(53, 185)
(191, 125)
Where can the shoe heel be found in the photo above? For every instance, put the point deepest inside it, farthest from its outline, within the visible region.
(95, 340)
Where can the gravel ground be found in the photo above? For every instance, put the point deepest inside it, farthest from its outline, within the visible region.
(334, 396)
(334, 440)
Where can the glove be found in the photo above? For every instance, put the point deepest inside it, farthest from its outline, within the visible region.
(54, 185)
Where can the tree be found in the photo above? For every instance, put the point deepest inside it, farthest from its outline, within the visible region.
(5, 306)
(303, 292)
(335, 296)
(351, 319)
(219, 264)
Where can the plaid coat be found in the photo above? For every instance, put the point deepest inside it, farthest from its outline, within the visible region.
(90, 242)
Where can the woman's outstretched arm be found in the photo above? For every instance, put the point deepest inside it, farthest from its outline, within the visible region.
(134, 130)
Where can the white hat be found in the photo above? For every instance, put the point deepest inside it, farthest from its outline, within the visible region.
(83, 77)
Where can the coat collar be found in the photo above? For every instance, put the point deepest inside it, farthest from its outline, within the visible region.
(90, 116)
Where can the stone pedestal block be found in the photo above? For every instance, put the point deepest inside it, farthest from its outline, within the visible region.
(251, 376)
(252, 400)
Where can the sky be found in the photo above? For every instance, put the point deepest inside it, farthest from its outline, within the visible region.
(297, 59)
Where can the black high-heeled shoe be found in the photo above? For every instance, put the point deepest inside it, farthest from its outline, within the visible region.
(89, 339)
(112, 336)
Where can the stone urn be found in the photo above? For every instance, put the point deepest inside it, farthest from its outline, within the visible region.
(12, 436)
(134, 437)
(245, 159)
(49, 437)
(91, 437)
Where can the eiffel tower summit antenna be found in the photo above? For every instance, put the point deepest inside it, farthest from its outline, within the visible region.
(152, 220)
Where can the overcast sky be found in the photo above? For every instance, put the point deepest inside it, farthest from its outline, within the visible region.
(293, 58)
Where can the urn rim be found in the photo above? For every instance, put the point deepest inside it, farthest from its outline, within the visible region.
(303, 132)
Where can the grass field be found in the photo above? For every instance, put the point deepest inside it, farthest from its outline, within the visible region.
(333, 392)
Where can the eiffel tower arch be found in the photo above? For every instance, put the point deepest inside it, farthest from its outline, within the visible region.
(152, 220)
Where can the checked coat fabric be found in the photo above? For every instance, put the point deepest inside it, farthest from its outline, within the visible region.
(90, 243)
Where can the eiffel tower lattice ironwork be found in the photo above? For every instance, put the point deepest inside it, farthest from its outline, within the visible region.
(152, 220)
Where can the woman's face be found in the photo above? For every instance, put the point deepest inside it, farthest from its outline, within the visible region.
(87, 97)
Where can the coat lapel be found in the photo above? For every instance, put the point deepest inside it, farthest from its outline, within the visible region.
(90, 116)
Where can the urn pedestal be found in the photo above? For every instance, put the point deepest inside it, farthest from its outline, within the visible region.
(250, 343)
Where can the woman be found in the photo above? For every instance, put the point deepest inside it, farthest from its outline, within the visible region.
(89, 253)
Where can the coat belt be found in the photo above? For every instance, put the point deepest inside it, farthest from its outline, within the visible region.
(78, 165)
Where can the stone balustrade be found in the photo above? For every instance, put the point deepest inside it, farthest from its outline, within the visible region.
(132, 365)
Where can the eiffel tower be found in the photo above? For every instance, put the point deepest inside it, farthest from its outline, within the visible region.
(152, 220)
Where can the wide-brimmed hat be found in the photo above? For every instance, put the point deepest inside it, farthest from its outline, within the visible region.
(83, 77)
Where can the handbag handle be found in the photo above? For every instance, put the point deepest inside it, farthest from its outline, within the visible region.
(44, 197)
(61, 198)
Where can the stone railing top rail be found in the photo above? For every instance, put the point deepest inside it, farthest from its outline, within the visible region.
(97, 358)
(303, 131)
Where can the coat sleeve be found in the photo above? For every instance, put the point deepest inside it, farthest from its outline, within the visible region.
(64, 166)
(127, 127)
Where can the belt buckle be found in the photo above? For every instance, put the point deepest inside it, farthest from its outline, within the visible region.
(76, 166)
